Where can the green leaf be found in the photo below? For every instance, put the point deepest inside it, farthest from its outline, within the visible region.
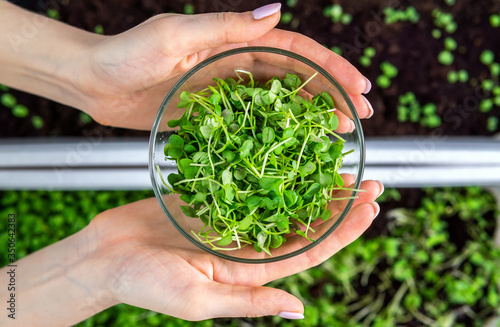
(227, 177)
(184, 96)
(176, 141)
(188, 211)
(206, 131)
(225, 240)
(307, 169)
(229, 192)
(292, 81)
(328, 99)
(246, 148)
(253, 202)
(175, 153)
(240, 174)
(267, 135)
(276, 86)
(245, 223)
(326, 179)
(312, 191)
(267, 183)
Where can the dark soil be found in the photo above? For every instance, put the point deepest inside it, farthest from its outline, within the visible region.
(408, 46)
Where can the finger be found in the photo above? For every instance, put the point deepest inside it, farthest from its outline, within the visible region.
(345, 73)
(356, 222)
(370, 190)
(207, 31)
(226, 300)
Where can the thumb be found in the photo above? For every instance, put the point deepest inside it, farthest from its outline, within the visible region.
(213, 30)
(244, 301)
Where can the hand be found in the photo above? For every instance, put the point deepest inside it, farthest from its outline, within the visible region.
(147, 263)
(123, 79)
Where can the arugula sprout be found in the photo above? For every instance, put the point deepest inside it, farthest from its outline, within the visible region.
(255, 161)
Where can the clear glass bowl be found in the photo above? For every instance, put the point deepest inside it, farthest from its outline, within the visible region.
(264, 63)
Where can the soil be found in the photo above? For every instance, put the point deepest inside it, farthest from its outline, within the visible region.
(408, 46)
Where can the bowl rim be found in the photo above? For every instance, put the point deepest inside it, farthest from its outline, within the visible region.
(224, 54)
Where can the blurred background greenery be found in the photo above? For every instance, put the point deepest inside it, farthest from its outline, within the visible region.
(434, 264)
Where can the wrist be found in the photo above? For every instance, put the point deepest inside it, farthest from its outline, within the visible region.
(38, 51)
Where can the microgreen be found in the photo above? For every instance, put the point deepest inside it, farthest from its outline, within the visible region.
(336, 14)
(495, 20)
(8, 100)
(98, 29)
(445, 57)
(188, 9)
(37, 122)
(286, 18)
(255, 161)
(20, 111)
(394, 15)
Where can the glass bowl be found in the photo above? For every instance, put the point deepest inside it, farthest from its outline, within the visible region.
(263, 63)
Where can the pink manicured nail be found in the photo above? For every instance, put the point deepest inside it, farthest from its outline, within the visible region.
(368, 85)
(266, 10)
(369, 106)
(353, 127)
(377, 209)
(382, 188)
(291, 315)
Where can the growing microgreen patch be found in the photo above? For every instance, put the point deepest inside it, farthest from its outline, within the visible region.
(395, 15)
(410, 110)
(337, 15)
(389, 71)
(256, 161)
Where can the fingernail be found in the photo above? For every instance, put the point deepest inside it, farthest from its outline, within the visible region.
(291, 315)
(382, 188)
(369, 106)
(266, 10)
(377, 209)
(368, 85)
(353, 127)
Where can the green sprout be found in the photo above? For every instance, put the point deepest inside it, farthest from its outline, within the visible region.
(286, 18)
(336, 14)
(388, 69)
(450, 2)
(495, 20)
(394, 16)
(445, 57)
(410, 110)
(98, 29)
(85, 118)
(4, 88)
(463, 75)
(492, 124)
(487, 57)
(291, 3)
(495, 69)
(337, 50)
(8, 100)
(255, 161)
(452, 77)
(444, 21)
(383, 81)
(487, 85)
(365, 61)
(436, 33)
(53, 13)
(486, 105)
(37, 122)
(20, 111)
(450, 44)
(188, 9)
(369, 52)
